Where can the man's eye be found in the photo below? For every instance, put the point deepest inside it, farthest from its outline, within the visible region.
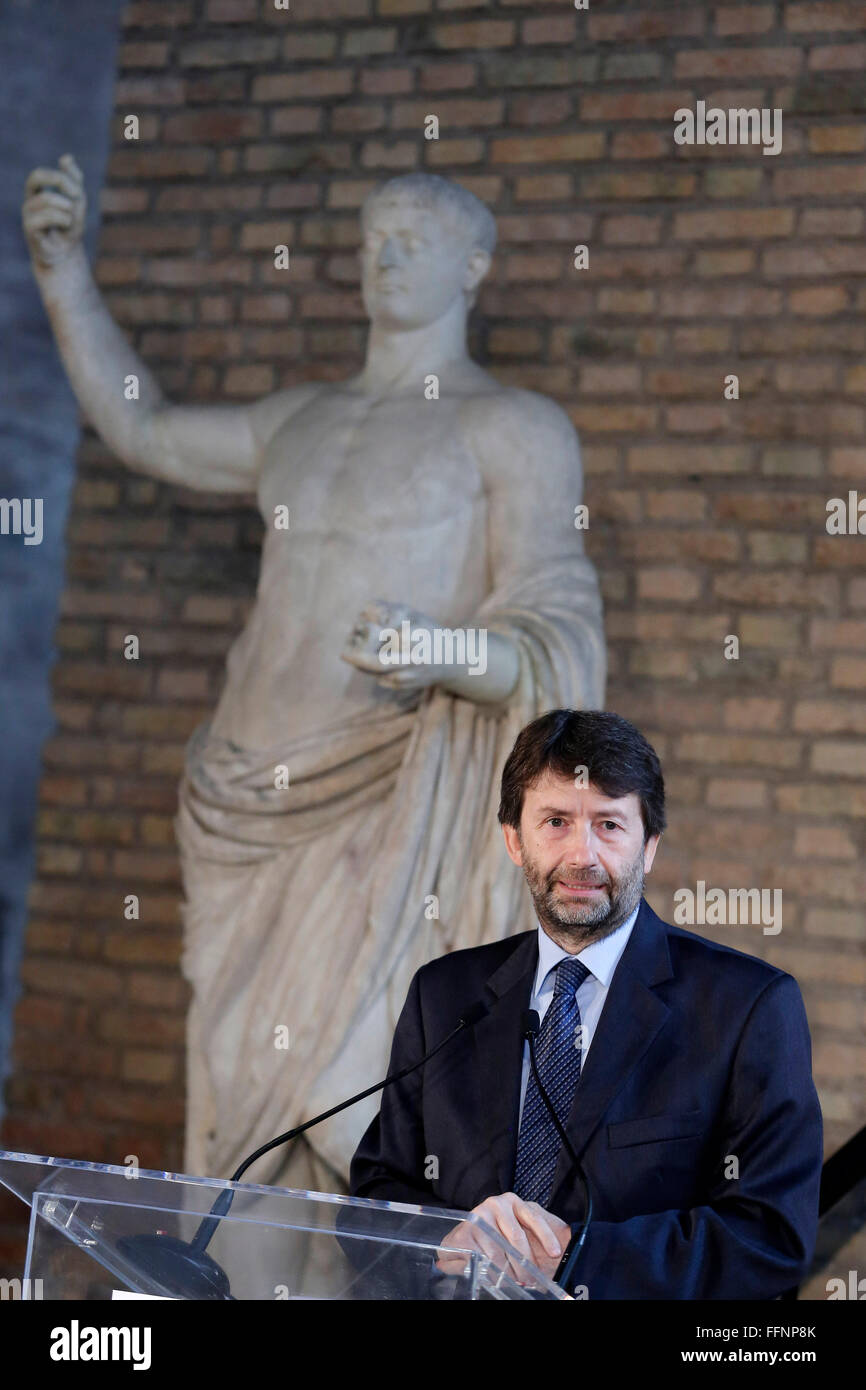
(611, 825)
(556, 821)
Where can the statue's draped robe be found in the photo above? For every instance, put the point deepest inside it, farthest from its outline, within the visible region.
(309, 908)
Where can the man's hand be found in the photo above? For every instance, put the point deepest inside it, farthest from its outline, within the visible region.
(537, 1234)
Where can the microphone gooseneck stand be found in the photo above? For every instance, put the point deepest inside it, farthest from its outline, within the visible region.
(185, 1267)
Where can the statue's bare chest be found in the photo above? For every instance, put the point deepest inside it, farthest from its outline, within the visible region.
(351, 460)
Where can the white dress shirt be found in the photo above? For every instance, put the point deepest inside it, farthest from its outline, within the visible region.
(601, 959)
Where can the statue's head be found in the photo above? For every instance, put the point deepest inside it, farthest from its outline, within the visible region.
(426, 242)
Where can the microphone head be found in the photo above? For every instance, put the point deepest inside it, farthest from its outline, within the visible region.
(531, 1024)
(473, 1014)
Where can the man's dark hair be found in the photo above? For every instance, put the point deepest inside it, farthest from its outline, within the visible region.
(617, 757)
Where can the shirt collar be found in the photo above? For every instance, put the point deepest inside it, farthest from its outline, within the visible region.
(600, 958)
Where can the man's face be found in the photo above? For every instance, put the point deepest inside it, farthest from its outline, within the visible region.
(584, 858)
(414, 264)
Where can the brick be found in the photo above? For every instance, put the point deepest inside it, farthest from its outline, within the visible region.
(231, 11)
(820, 301)
(146, 1064)
(638, 185)
(605, 380)
(738, 302)
(361, 43)
(313, 46)
(531, 69)
(646, 25)
(842, 758)
(712, 264)
(720, 749)
(304, 10)
(212, 125)
(640, 144)
(72, 979)
(634, 106)
(668, 584)
(744, 19)
(387, 81)
(534, 227)
(454, 111)
(401, 154)
(549, 29)
(848, 463)
(822, 180)
(680, 458)
(448, 152)
(720, 224)
(741, 793)
(166, 14)
(848, 673)
(696, 340)
(831, 222)
(187, 162)
(229, 51)
(318, 83)
(738, 62)
(539, 149)
(659, 665)
(829, 716)
(477, 33)
(527, 268)
(838, 57)
(732, 183)
(628, 230)
(779, 588)
(675, 504)
(402, 7)
(448, 76)
(536, 109)
(837, 139)
(825, 16)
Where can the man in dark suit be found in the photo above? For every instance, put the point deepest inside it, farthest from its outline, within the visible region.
(680, 1069)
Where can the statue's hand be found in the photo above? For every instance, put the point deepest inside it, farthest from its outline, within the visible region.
(53, 213)
(380, 644)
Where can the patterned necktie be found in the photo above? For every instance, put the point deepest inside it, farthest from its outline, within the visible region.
(557, 1056)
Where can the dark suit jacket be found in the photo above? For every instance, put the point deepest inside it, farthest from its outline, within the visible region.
(701, 1054)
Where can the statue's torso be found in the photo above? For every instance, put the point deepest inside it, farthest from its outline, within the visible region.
(385, 500)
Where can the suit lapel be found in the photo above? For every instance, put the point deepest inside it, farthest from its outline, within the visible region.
(631, 1018)
(499, 1054)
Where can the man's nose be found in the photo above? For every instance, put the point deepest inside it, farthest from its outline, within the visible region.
(387, 254)
(581, 850)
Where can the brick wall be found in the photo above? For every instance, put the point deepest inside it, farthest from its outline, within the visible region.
(707, 515)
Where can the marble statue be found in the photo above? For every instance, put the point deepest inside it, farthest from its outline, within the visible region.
(337, 823)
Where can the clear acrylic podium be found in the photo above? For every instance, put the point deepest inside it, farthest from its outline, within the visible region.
(99, 1232)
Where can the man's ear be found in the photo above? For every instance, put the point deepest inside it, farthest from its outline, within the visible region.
(512, 844)
(649, 852)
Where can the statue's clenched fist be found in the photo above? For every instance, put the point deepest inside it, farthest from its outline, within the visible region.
(54, 209)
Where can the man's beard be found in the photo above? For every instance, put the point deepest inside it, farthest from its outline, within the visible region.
(580, 922)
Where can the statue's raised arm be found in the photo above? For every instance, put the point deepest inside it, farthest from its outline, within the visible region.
(212, 447)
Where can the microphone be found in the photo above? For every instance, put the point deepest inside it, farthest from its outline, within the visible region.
(571, 1254)
(186, 1266)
